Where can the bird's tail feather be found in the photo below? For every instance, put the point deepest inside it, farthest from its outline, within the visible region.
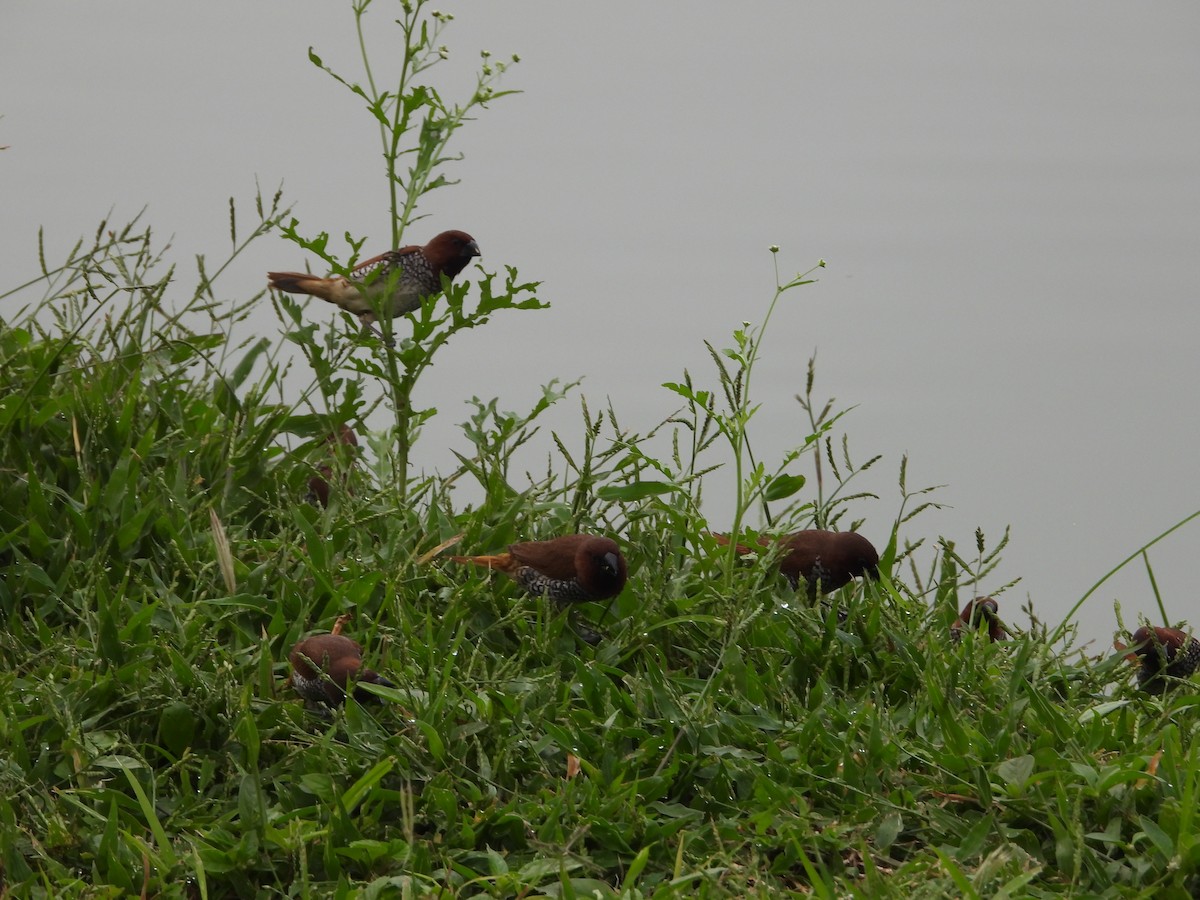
(299, 283)
(724, 541)
(500, 561)
(337, 291)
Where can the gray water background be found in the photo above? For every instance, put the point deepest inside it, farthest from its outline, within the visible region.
(1007, 196)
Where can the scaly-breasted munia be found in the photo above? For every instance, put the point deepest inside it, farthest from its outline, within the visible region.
(824, 560)
(394, 282)
(568, 569)
(318, 485)
(980, 613)
(1163, 652)
(323, 664)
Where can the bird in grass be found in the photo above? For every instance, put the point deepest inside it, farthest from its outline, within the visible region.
(394, 282)
(318, 486)
(824, 560)
(1164, 653)
(570, 569)
(574, 568)
(980, 613)
(323, 665)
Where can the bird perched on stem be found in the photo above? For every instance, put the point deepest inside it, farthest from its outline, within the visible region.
(323, 665)
(394, 283)
(573, 568)
(824, 560)
(980, 613)
(1164, 653)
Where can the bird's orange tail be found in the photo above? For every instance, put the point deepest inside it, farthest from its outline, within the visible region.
(299, 283)
(723, 540)
(501, 562)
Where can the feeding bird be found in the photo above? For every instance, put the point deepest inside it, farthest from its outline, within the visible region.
(824, 560)
(980, 613)
(322, 666)
(394, 282)
(574, 568)
(1164, 653)
(570, 569)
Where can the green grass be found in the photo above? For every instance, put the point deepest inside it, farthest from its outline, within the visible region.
(160, 561)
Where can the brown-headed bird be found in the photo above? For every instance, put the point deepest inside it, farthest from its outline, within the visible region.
(1164, 653)
(570, 569)
(318, 485)
(394, 282)
(323, 664)
(824, 560)
(980, 613)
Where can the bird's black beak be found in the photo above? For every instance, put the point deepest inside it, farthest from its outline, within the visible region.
(473, 249)
(610, 560)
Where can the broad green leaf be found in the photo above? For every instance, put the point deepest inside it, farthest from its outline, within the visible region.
(783, 486)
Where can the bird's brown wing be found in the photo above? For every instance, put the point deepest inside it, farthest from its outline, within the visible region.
(554, 558)
(367, 265)
(314, 653)
(342, 669)
(802, 549)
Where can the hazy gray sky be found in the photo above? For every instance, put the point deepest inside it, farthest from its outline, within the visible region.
(1007, 195)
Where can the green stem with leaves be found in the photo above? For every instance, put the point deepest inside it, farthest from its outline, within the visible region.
(736, 430)
(411, 107)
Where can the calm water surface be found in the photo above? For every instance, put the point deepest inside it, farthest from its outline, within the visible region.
(1008, 199)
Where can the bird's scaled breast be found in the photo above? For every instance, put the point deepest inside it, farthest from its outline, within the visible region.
(310, 688)
(557, 589)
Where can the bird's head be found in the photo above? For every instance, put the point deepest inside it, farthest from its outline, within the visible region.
(371, 677)
(1157, 649)
(450, 252)
(864, 558)
(601, 568)
(980, 613)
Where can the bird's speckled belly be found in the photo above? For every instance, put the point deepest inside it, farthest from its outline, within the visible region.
(557, 589)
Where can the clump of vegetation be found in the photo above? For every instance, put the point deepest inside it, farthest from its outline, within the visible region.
(727, 738)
